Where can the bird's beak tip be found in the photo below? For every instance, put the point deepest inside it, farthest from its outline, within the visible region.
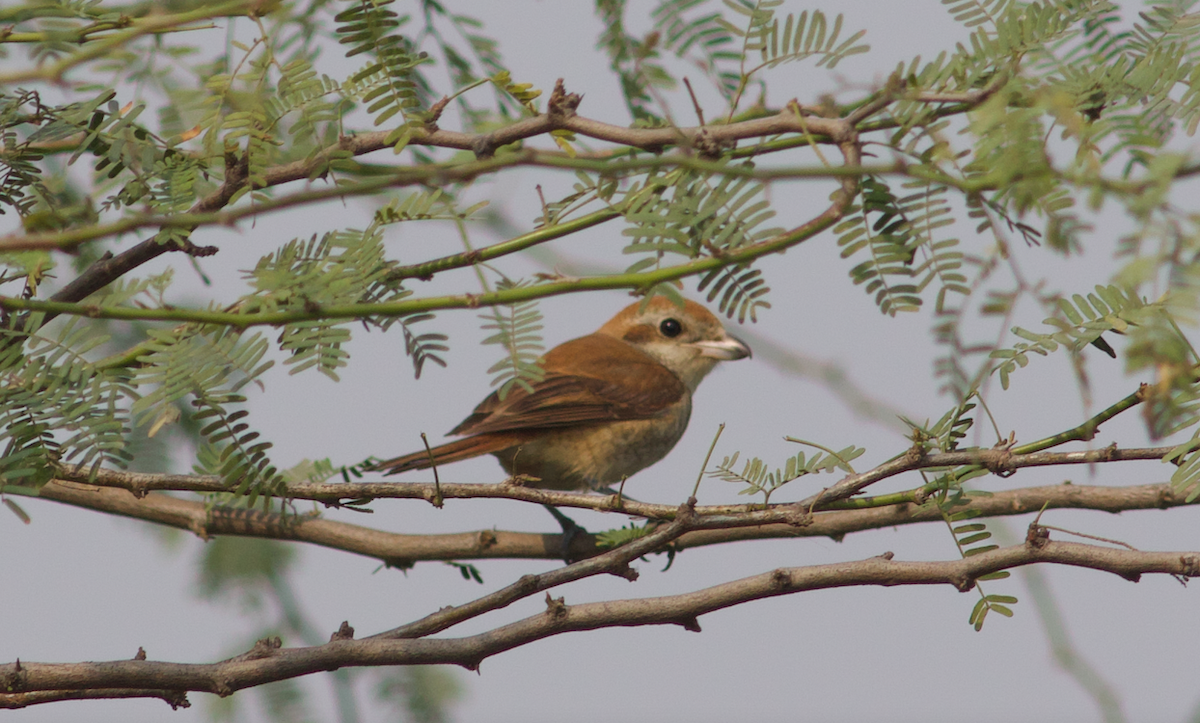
(727, 349)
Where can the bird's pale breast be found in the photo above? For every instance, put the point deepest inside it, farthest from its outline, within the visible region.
(598, 455)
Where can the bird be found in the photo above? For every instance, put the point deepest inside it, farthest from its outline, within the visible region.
(609, 404)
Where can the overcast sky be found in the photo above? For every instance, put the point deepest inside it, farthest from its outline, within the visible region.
(81, 586)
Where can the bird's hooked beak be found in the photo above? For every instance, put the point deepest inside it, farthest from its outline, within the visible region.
(726, 349)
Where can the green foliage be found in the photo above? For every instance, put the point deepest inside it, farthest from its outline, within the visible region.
(56, 406)
(798, 38)
(690, 215)
(968, 537)
(1186, 477)
(469, 572)
(706, 40)
(1080, 322)
(947, 493)
(614, 538)
(303, 92)
(878, 228)
(211, 366)
(743, 288)
(759, 479)
(20, 173)
(386, 84)
(945, 434)
(517, 328)
(340, 267)
(634, 61)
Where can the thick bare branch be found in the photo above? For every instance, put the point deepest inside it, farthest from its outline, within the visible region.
(998, 461)
(732, 522)
(268, 661)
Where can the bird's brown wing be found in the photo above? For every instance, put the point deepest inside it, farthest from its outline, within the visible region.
(588, 380)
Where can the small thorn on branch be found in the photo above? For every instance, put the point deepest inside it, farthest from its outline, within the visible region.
(344, 632)
(556, 607)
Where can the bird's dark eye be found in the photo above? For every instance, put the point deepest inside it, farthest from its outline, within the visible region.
(670, 328)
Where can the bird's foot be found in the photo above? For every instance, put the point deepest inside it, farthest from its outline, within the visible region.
(570, 530)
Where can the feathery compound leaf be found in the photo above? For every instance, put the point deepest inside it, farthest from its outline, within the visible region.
(1186, 478)
(804, 36)
(387, 84)
(759, 479)
(947, 432)
(972, 13)
(517, 328)
(953, 503)
(633, 60)
(341, 267)
(879, 229)
(743, 289)
(693, 214)
(211, 365)
(1084, 319)
(55, 405)
(706, 39)
(421, 348)
(191, 360)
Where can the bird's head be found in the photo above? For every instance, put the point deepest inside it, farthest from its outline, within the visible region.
(689, 341)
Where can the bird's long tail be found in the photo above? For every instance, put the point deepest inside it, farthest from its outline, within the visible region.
(455, 451)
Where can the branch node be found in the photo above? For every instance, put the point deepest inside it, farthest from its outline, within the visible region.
(15, 680)
(690, 624)
(998, 460)
(556, 607)
(520, 480)
(562, 104)
(1037, 536)
(1191, 565)
(780, 579)
(798, 517)
(625, 571)
(193, 250)
(487, 539)
(435, 113)
(344, 632)
(484, 146)
(686, 512)
(263, 648)
(1143, 392)
(141, 654)
(398, 563)
(963, 583)
(707, 146)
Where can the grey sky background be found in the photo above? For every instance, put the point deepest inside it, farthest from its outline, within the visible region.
(81, 586)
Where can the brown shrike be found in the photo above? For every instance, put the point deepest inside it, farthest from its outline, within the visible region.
(611, 403)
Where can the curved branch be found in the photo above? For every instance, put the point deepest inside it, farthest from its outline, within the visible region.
(406, 307)
(733, 523)
(561, 117)
(150, 24)
(998, 461)
(268, 661)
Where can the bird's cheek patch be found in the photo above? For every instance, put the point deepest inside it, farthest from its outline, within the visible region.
(640, 334)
